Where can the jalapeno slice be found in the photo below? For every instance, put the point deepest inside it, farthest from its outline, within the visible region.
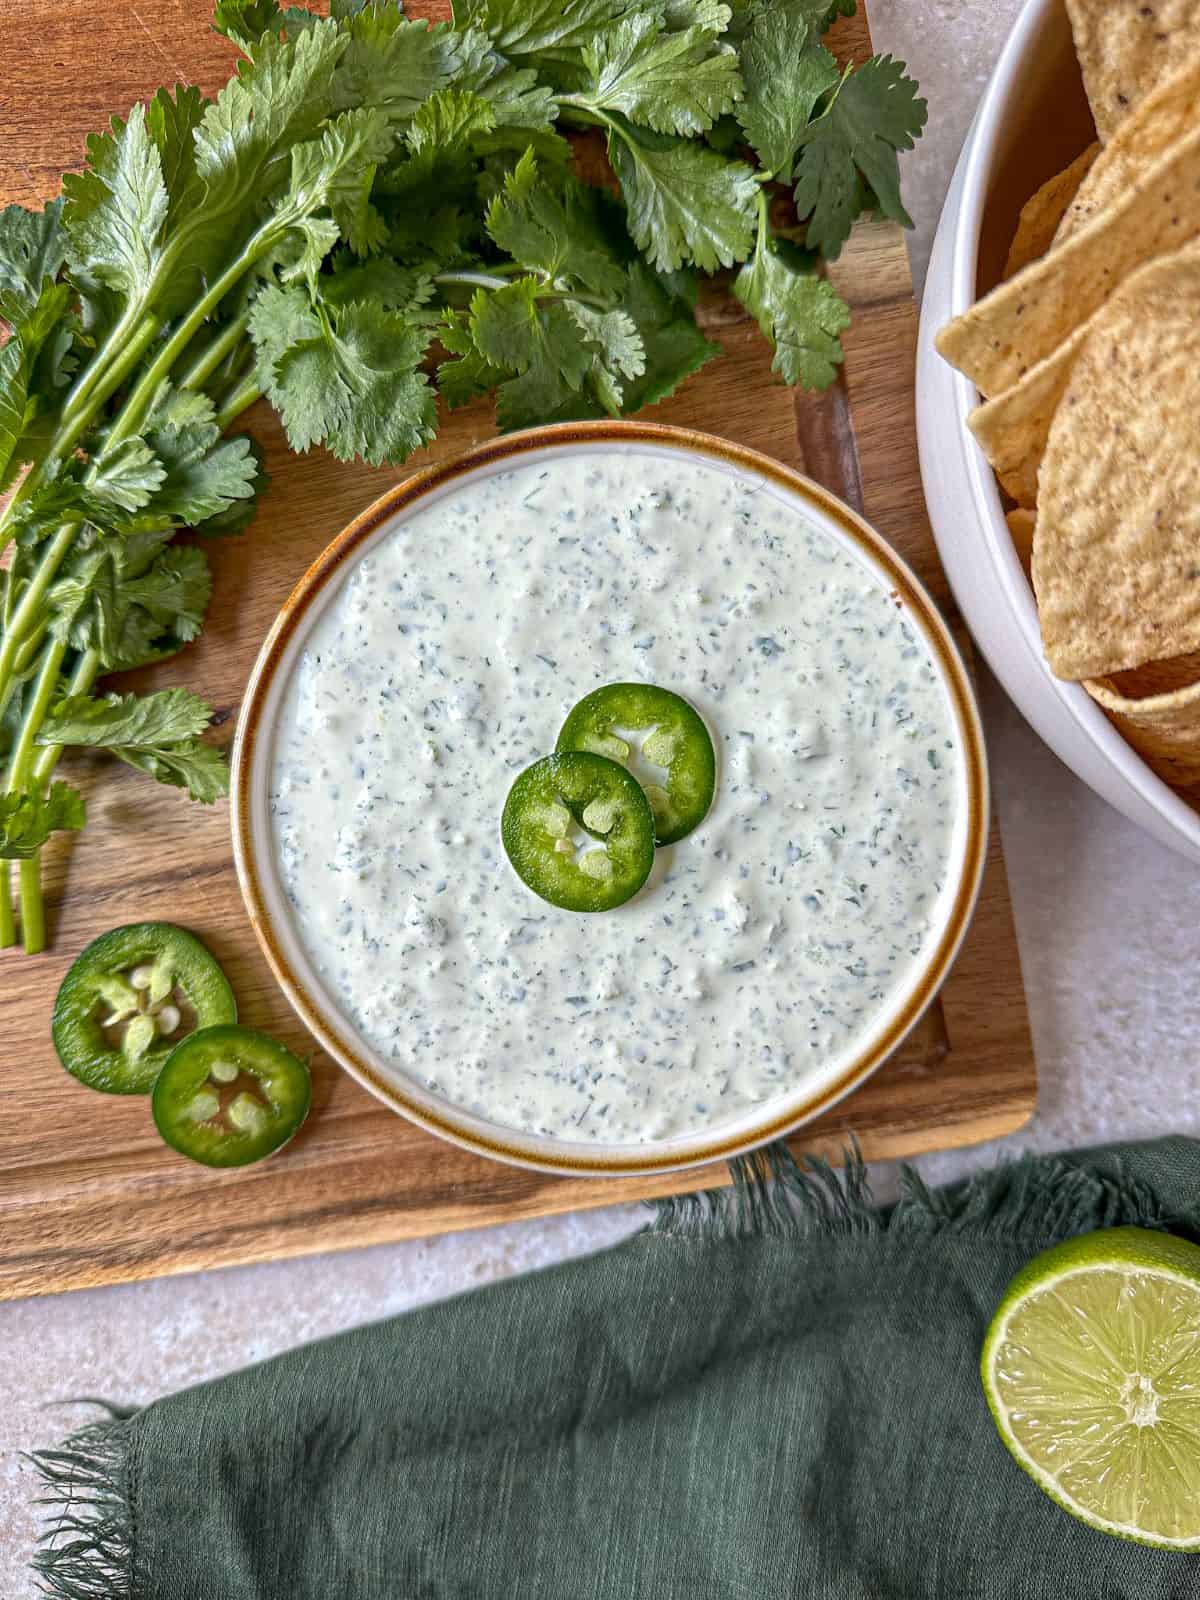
(608, 722)
(579, 831)
(129, 999)
(227, 1096)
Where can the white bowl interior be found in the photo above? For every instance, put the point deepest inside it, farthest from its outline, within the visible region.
(1032, 121)
(324, 1015)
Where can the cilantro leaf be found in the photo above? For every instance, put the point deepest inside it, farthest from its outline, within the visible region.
(27, 819)
(538, 27)
(199, 768)
(244, 22)
(874, 113)
(337, 170)
(713, 16)
(616, 351)
(172, 120)
(276, 101)
(129, 599)
(801, 314)
(467, 378)
(550, 232)
(126, 477)
(538, 341)
(126, 719)
(380, 278)
(685, 202)
(202, 473)
(116, 208)
(671, 82)
(674, 346)
(36, 364)
(347, 375)
(511, 329)
(514, 93)
(447, 120)
(32, 249)
(786, 71)
(156, 733)
(174, 591)
(393, 64)
(177, 408)
(15, 412)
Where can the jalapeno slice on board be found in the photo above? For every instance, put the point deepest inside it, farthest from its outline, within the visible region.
(228, 1096)
(673, 736)
(129, 999)
(579, 831)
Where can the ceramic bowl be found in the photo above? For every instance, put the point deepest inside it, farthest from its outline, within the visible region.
(1031, 122)
(268, 907)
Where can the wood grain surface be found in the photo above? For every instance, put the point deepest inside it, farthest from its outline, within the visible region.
(88, 1195)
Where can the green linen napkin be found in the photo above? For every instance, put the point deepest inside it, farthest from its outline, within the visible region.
(771, 1391)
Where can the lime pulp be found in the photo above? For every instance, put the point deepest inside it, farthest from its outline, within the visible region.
(1091, 1367)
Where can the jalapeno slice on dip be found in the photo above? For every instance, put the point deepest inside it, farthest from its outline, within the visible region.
(579, 831)
(228, 1096)
(608, 721)
(129, 999)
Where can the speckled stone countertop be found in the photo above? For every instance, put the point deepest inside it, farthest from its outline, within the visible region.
(1106, 920)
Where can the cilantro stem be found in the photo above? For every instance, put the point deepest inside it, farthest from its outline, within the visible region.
(582, 111)
(129, 336)
(26, 772)
(209, 359)
(87, 670)
(133, 412)
(764, 221)
(27, 615)
(21, 761)
(488, 280)
(33, 906)
(470, 280)
(33, 914)
(68, 437)
(77, 417)
(240, 400)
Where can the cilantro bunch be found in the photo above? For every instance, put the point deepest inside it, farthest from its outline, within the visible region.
(374, 212)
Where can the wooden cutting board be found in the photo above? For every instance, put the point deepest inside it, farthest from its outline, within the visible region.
(88, 1195)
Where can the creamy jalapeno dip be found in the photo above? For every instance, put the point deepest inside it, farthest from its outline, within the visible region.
(764, 945)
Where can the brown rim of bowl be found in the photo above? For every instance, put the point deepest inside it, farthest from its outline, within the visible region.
(345, 1048)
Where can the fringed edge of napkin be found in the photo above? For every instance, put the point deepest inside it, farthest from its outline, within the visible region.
(87, 1552)
(776, 1192)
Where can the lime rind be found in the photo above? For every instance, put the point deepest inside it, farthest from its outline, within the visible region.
(1091, 1369)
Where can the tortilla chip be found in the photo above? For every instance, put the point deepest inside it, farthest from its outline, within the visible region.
(1116, 550)
(1042, 214)
(1163, 117)
(1013, 428)
(1126, 48)
(1163, 728)
(1020, 526)
(1022, 321)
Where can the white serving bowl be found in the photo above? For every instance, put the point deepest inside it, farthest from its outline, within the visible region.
(1031, 122)
(266, 901)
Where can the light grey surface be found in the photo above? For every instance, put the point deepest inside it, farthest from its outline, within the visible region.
(1106, 921)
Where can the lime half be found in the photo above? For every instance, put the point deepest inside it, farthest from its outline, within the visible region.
(1092, 1369)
